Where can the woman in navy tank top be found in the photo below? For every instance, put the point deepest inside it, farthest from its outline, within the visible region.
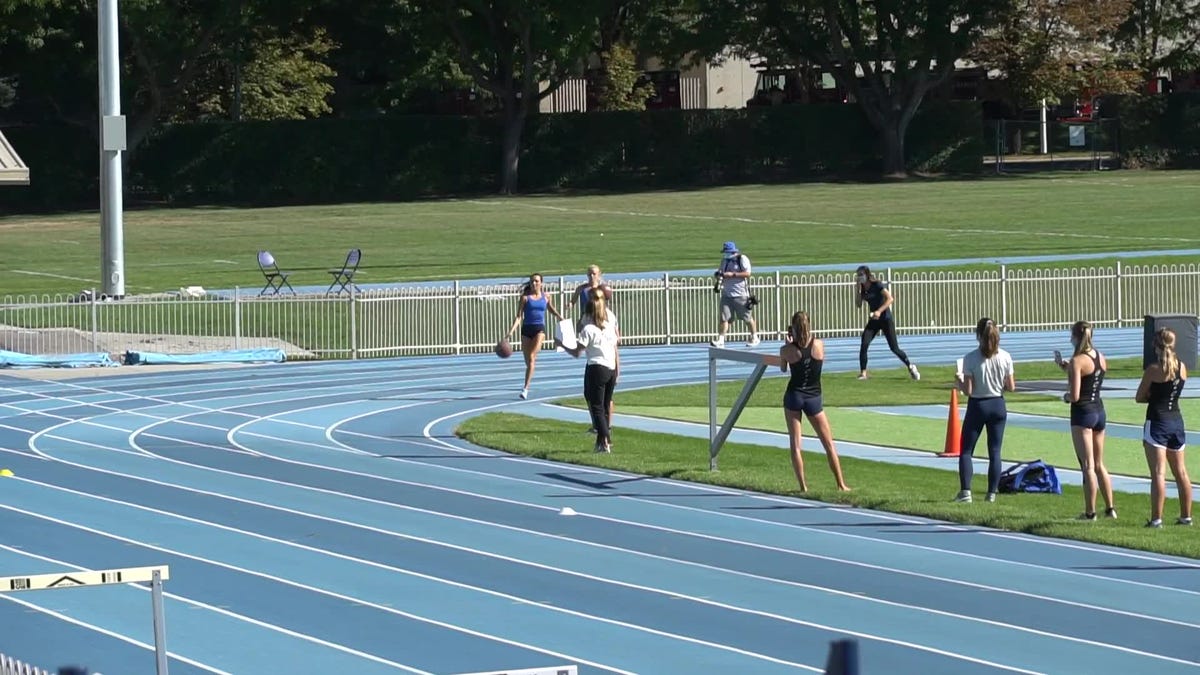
(804, 354)
(1164, 436)
(1085, 376)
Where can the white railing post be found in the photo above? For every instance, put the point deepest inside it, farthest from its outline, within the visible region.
(1003, 296)
(95, 321)
(666, 279)
(457, 317)
(237, 318)
(353, 323)
(1120, 321)
(562, 303)
(779, 320)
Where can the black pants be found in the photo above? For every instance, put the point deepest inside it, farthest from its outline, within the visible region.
(874, 327)
(598, 384)
(982, 413)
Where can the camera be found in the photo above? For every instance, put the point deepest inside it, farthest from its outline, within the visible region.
(752, 302)
(717, 283)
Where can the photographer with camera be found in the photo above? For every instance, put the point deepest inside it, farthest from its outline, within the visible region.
(733, 283)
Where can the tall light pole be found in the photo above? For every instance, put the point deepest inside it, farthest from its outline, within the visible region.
(112, 146)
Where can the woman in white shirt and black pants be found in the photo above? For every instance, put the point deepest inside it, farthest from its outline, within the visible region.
(987, 372)
(599, 338)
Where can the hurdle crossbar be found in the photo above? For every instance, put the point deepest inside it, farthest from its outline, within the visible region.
(131, 575)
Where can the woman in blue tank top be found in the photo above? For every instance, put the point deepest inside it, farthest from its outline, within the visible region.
(804, 354)
(531, 317)
(1085, 376)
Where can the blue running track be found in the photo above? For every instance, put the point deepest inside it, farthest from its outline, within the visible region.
(322, 518)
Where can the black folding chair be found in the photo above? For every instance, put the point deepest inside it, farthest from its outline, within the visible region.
(276, 278)
(343, 279)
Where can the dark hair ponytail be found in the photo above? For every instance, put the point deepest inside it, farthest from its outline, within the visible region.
(800, 328)
(989, 337)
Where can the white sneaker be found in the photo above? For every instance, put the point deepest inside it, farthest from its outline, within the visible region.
(753, 341)
(719, 342)
(524, 394)
(964, 496)
(912, 370)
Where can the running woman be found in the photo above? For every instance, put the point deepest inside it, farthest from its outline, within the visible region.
(531, 317)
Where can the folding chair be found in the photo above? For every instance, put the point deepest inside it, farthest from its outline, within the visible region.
(276, 278)
(344, 277)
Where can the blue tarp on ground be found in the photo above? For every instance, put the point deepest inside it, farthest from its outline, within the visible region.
(228, 356)
(87, 360)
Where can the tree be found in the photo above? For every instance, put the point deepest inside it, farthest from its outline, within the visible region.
(168, 47)
(1048, 49)
(625, 26)
(391, 56)
(284, 77)
(519, 51)
(888, 54)
(619, 85)
(1161, 34)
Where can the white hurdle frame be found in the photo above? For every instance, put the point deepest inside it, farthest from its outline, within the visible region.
(717, 437)
(131, 575)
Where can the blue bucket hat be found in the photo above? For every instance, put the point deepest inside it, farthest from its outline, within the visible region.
(729, 247)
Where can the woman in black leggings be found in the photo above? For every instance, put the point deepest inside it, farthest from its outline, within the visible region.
(879, 301)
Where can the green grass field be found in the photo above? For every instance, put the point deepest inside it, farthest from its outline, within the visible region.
(879, 485)
(560, 234)
(875, 485)
(858, 412)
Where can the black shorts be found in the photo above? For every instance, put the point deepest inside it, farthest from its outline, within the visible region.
(1089, 417)
(531, 330)
(1169, 434)
(798, 402)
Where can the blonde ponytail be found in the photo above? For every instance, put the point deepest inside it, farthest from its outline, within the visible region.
(1164, 344)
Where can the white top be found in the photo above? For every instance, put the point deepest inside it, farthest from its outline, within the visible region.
(990, 374)
(600, 344)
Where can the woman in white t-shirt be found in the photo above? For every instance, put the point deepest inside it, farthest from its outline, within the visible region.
(599, 338)
(987, 372)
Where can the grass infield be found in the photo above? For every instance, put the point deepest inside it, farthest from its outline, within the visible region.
(877, 485)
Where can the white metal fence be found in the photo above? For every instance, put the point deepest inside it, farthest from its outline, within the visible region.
(658, 309)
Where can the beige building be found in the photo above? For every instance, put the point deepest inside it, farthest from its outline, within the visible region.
(727, 82)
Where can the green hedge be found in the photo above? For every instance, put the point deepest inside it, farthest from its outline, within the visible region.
(1160, 131)
(332, 160)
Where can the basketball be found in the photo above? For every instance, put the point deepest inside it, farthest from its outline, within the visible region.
(503, 349)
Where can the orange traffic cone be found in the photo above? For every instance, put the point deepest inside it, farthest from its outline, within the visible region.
(953, 445)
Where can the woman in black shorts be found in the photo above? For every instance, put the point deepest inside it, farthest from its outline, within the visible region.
(1085, 376)
(1164, 436)
(805, 354)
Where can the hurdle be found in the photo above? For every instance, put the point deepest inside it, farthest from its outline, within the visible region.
(717, 437)
(154, 575)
